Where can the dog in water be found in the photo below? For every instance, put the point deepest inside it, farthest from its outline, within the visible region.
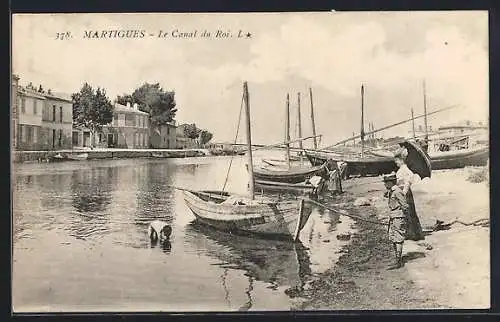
(159, 230)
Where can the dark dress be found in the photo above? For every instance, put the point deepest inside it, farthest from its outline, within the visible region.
(414, 229)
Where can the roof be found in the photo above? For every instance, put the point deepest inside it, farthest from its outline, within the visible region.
(59, 96)
(130, 110)
(29, 92)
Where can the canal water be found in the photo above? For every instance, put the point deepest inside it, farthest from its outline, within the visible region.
(80, 241)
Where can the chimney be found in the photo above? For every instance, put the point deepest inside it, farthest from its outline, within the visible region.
(128, 104)
(136, 106)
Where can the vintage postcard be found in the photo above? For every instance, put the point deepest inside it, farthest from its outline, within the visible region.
(250, 161)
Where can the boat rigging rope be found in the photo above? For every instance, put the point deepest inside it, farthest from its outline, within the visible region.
(345, 213)
(235, 139)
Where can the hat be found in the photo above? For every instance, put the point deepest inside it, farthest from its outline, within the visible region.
(390, 177)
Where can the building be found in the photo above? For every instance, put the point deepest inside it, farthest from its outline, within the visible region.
(13, 109)
(464, 134)
(164, 136)
(129, 129)
(57, 121)
(29, 116)
(182, 141)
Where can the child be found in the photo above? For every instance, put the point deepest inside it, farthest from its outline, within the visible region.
(397, 218)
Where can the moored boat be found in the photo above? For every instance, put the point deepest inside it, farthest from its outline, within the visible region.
(262, 215)
(460, 158)
(272, 186)
(292, 175)
(373, 165)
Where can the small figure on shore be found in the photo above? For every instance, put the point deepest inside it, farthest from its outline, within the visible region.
(318, 184)
(334, 177)
(405, 178)
(397, 218)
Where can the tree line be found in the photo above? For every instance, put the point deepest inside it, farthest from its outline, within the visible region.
(93, 109)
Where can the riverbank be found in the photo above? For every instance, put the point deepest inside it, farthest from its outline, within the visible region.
(449, 269)
(109, 153)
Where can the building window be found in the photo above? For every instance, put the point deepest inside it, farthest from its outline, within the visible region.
(60, 138)
(23, 105)
(144, 140)
(35, 134)
(29, 134)
(60, 113)
(115, 119)
(22, 129)
(121, 119)
(53, 113)
(34, 106)
(130, 120)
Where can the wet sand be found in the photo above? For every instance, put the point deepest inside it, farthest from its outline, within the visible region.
(449, 269)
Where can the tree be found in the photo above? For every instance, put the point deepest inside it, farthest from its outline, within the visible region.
(152, 99)
(205, 137)
(91, 109)
(191, 131)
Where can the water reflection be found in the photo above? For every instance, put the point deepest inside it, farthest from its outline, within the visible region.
(165, 245)
(155, 194)
(278, 263)
(91, 197)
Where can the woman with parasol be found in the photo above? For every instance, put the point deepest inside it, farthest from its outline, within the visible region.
(405, 178)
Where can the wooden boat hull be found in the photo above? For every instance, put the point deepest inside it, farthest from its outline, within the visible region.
(374, 165)
(283, 218)
(272, 186)
(290, 176)
(460, 159)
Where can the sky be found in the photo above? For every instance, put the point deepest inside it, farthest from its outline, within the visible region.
(390, 53)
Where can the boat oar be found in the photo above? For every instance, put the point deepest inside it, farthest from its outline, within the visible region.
(345, 213)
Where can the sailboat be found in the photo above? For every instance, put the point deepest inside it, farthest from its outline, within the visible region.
(266, 177)
(258, 215)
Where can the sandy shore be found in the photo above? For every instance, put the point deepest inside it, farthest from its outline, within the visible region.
(449, 269)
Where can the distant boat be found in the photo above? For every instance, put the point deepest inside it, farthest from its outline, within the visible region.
(250, 214)
(78, 157)
(68, 157)
(373, 165)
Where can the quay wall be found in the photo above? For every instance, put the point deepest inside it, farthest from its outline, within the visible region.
(43, 156)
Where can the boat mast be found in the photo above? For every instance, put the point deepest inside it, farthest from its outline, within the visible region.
(249, 141)
(425, 114)
(362, 121)
(312, 119)
(413, 123)
(287, 129)
(299, 123)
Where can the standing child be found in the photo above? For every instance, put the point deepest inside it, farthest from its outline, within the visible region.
(397, 218)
